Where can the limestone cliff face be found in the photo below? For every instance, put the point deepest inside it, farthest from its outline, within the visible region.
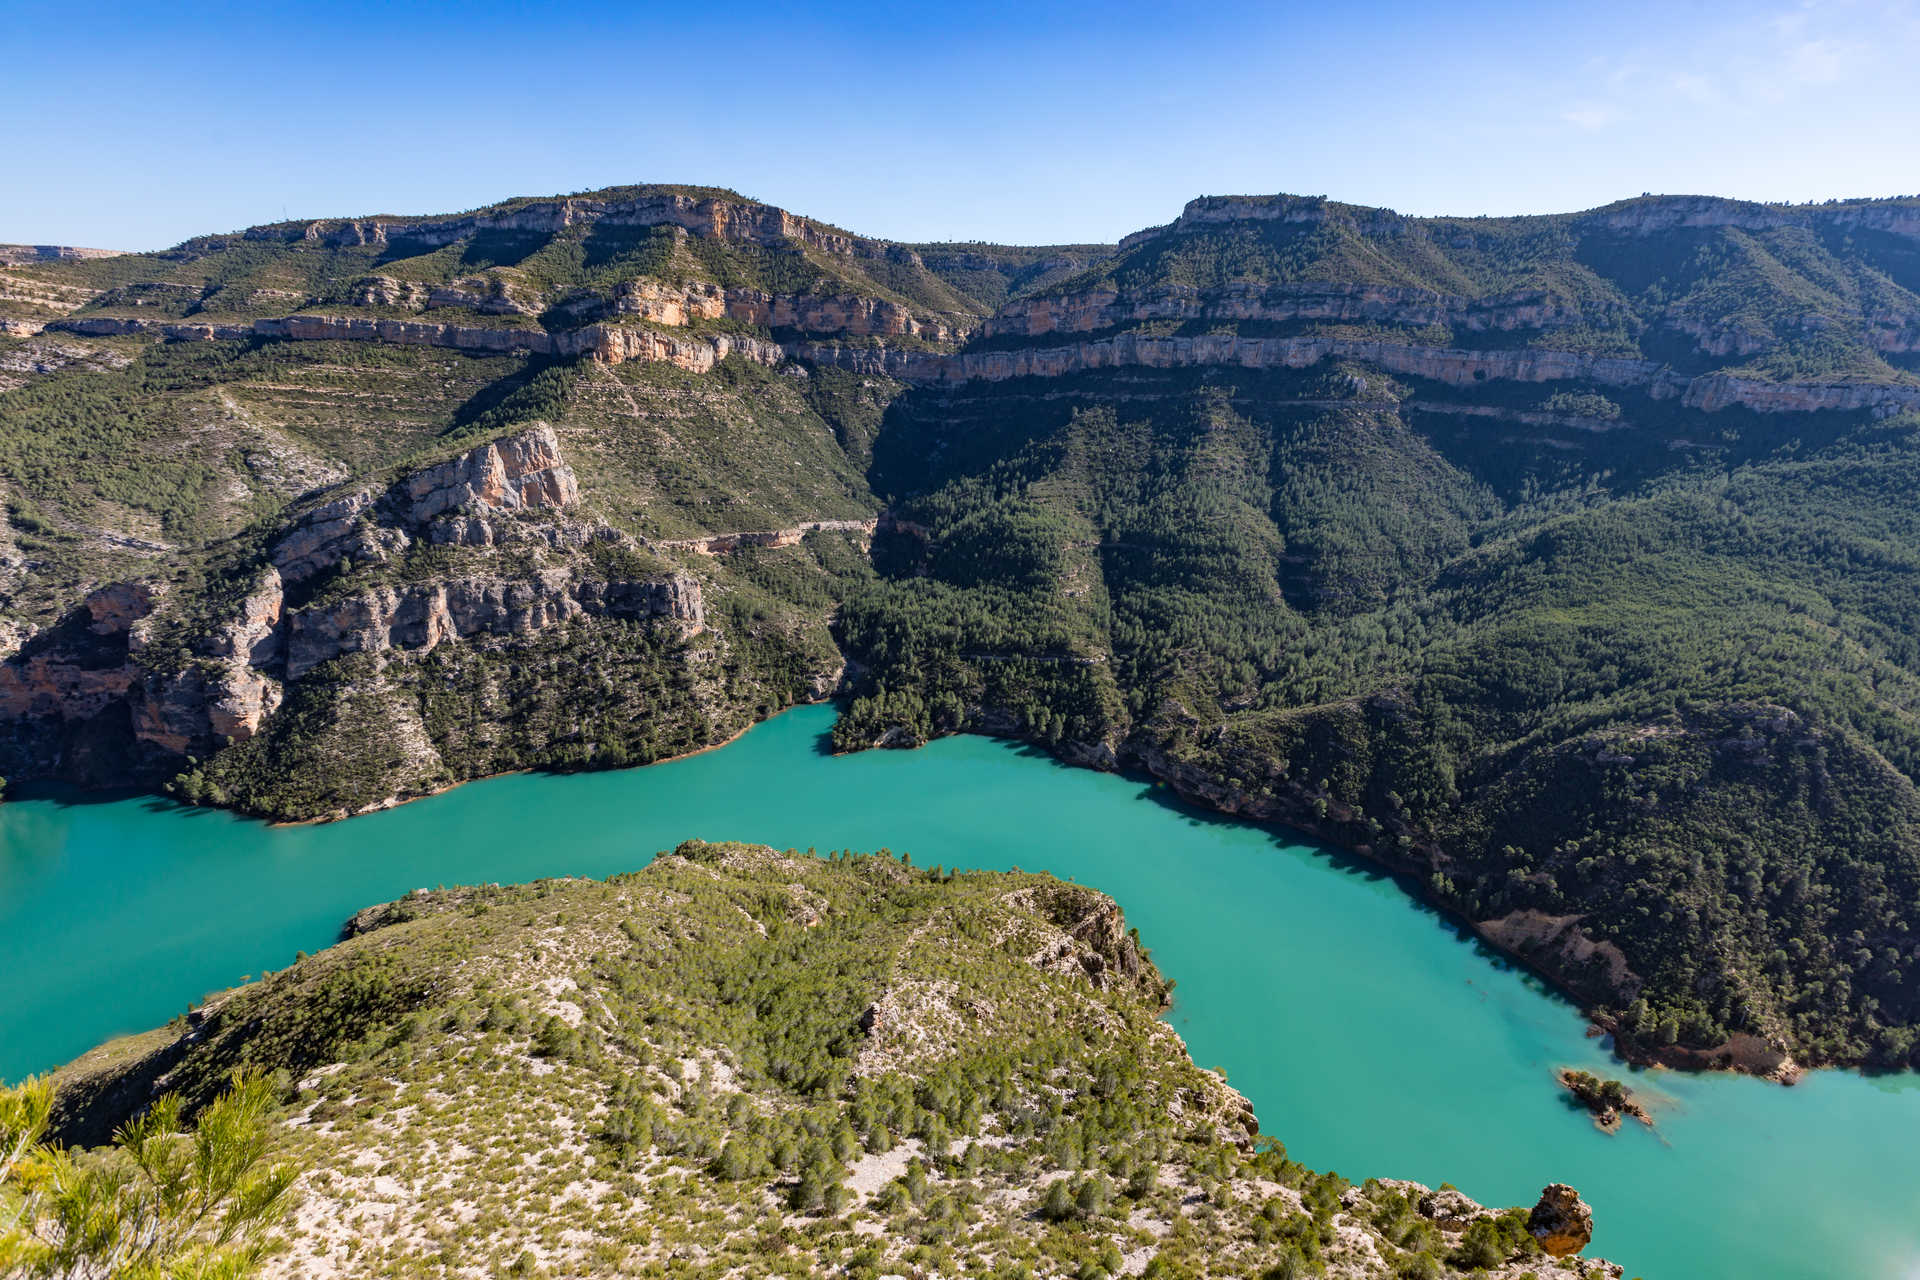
(22, 254)
(610, 343)
(1330, 303)
(714, 216)
(65, 694)
(422, 615)
(1452, 366)
(517, 473)
(614, 344)
(659, 302)
(848, 315)
(94, 677)
(79, 670)
(469, 501)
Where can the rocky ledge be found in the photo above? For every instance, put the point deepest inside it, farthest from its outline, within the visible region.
(609, 343)
(716, 215)
(1455, 367)
(1451, 366)
(97, 679)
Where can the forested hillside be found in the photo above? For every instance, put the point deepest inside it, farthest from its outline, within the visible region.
(1565, 564)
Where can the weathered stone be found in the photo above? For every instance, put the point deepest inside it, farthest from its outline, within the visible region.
(1562, 1222)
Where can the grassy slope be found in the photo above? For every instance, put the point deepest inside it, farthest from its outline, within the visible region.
(738, 1059)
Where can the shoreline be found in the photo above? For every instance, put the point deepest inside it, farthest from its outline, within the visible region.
(1742, 1054)
(396, 802)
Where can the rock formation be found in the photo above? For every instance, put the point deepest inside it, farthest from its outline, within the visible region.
(1562, 1222)
(514, 491)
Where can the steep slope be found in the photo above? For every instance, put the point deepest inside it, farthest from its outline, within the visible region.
(1651, 730)
(744, 1062)
(1560, 562)
(1776, 293)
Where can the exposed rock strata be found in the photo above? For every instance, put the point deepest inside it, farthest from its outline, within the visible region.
(423, 615)
(1451, 366)
(843, 315)
(615, 344)
(717, 217)
(512, 491)
(612, 344)
(1326, 303)
(14, 255)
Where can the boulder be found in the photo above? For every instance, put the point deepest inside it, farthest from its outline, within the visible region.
(1562, 1222)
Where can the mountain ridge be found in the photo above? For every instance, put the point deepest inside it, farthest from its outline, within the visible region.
(1388, 536)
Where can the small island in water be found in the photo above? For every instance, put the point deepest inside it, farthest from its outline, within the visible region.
(1607, 1100)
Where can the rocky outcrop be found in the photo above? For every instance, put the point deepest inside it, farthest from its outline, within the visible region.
(449, 503)
(423, 615)
(19, 255)
(615, 344)
(92, 676)
(468, 501)
(717, 215)
(515, 473)
(1450, 366)
(1562, 1222)
(612, 344)
(847, 315)
(68, 695)
(1316, 302)
(81, 668)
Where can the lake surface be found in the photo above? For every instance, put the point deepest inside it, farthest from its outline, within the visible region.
(1370, 1036)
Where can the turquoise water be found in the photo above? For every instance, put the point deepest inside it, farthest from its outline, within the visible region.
(1370, 1036)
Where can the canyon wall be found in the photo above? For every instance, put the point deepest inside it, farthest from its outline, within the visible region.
(1451, 366)
(96, 677)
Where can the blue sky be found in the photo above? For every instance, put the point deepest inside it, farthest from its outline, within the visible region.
(137, 125)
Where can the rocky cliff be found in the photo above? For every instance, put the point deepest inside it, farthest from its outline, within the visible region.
(20, 254)
(720, 215)
(1451, 366)
(611, 344)
(484, 544)
(1452, 299)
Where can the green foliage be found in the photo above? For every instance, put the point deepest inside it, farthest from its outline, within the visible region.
(1675, 702)
(738, 1043)
(167, 1203)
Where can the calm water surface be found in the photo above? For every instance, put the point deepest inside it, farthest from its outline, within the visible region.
(1371, 1037)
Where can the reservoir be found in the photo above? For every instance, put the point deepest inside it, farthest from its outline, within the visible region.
(1370, 1035)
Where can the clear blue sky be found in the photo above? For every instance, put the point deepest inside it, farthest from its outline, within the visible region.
(137, 125)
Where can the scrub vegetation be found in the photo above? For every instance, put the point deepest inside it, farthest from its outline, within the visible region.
(738, 1061)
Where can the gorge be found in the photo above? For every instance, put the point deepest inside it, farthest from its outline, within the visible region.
(1366, 1032)
(1562, 567)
